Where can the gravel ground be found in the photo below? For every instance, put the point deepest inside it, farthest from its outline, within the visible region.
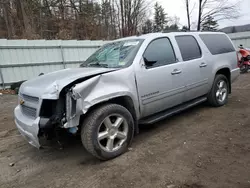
(202, 147)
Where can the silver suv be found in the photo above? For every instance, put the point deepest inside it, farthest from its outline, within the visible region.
(130, 81)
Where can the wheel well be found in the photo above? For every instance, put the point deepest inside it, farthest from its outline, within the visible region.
(124, 101)
(226, 72)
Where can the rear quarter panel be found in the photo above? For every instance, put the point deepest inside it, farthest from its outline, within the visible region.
(220, 61)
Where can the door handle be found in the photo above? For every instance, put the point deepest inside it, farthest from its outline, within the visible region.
(176, 71)
(203, 65)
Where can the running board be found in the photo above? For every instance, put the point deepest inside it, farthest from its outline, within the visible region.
(167, 113)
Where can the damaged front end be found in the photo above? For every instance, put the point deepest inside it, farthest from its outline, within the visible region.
(47, 104)
(62, 103)
(46, 118)
(58, 115)
(65, 112)
(38, 118)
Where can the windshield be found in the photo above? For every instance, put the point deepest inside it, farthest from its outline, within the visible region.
(114, 55)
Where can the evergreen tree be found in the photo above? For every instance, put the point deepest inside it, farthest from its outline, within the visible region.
(147, 27)
(184, 28)
(174, 27)
(209, 24)
(171, 28)
(160, 18)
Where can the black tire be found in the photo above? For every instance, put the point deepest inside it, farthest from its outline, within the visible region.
(212, 99)
(90, 127)
(244, 69)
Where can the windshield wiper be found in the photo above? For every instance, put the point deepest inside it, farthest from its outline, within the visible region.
(97, 64)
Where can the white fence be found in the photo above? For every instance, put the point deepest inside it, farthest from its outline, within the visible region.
(25, 59)
(240, 38)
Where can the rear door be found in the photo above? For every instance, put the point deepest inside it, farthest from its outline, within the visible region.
(196, 67)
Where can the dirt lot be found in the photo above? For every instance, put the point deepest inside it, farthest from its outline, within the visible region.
(202, 147)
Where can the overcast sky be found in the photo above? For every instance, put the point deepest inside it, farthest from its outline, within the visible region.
(177, 8)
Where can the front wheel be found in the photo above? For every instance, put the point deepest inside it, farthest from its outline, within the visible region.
(218, 96)
(107, 131)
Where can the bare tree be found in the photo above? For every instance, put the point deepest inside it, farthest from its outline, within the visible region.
(189, 10)
(218, 9)
(71, 19)
(201, 2)
(7, 14)
(188, 13)
(24, 18)
(131, 15)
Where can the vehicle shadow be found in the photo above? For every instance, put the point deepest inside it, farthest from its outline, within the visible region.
(70, 147)
(73, 149)
(149, 130)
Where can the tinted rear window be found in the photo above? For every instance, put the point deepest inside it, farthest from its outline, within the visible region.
(189, 47)
(217, 43)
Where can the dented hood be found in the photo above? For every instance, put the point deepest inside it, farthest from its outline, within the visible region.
(49, 85)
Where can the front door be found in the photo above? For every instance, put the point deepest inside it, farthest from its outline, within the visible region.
(159, 78)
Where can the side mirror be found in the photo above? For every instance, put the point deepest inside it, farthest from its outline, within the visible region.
(149, 63)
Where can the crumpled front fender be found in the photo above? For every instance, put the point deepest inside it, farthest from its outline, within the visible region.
(96, 90)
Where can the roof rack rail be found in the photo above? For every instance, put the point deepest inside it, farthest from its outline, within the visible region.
(169, 31)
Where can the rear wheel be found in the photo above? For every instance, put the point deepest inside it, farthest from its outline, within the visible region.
(108, 131)
(243, 68)
(218, 96)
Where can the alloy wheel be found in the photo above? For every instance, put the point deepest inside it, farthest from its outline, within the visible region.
(112, 132)
(221, 92)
